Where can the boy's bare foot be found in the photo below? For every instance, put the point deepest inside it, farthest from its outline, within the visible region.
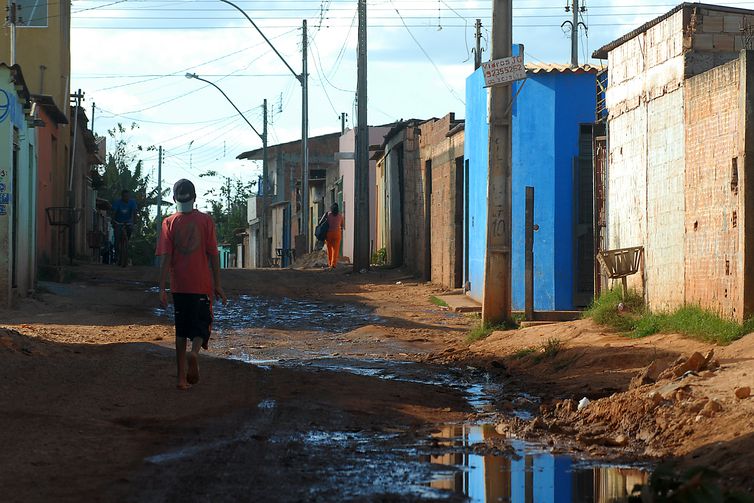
(193, 368)
(183, 386)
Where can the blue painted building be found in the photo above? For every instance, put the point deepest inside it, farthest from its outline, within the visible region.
(552, 153)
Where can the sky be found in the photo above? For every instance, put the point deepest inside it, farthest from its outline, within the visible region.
(130, 58)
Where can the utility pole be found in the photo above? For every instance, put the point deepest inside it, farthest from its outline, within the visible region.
(361, 165)
(575, 23)
(305, 145)
(265, 188)
(92, 121)
(159, 196)
(496, 300)
(478, 50)
(12, 20)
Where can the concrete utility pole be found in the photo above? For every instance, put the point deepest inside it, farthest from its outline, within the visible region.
(478, 50)
(361, 257)
(159, 199)
(496, 300)
(265, 187)
(575, 30)
(305, 145)
(12, 20)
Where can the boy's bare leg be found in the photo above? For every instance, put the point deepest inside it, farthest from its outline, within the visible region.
(193, 361)
(180, 355)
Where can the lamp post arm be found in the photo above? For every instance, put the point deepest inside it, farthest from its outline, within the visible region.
(195, 76)
(299, 77)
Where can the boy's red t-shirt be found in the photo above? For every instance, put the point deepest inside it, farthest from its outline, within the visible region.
(189, 238)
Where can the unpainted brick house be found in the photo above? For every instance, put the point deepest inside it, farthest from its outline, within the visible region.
(420, 200)
(680, 139)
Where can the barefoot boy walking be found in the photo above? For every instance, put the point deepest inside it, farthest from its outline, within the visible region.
(188, 251)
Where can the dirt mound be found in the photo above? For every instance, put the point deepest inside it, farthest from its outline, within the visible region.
(313, 260)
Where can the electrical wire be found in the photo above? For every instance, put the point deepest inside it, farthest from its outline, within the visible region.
(442, 78)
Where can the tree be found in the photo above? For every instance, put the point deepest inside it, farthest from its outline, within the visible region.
(228, 207)
(124, 171)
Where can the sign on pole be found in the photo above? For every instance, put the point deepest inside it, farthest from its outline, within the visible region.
(503, 71)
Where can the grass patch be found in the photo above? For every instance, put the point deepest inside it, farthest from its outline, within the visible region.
(551, 348)
(483, 330)
(523, 353)
(692, 321)
(437, 301)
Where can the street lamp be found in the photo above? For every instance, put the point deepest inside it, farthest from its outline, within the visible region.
(303, 79)
(262, 136)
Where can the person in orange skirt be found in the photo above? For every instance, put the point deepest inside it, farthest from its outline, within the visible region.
(335, 226)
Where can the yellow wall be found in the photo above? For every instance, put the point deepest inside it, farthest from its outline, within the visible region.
(51, 47)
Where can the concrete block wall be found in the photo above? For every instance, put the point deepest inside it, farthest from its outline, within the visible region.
(714, 262)
(413, 208)
(646, 162)
(663, 244)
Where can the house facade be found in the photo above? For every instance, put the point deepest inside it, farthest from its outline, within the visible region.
(347, 171)
(678, 138)
(18, 180)
(284, 198)
(553, 104)
(441, 147)
(400, 233)
(50, 131)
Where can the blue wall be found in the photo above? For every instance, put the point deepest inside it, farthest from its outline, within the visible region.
(546, 118)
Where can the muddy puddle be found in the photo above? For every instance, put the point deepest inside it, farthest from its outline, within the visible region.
(459, 462)
(281, 313)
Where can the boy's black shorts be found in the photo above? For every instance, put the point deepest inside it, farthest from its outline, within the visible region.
(193, 316)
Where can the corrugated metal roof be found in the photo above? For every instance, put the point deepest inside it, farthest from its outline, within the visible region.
(559, 68)
(601, 53)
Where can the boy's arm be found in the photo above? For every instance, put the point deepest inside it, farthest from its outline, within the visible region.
(214, 262)
(164, 269)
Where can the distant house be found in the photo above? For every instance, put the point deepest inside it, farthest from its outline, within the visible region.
(347, 185)
(18, 172)
(679, 132)
(285, 228)
(551, 151)
(400, 211)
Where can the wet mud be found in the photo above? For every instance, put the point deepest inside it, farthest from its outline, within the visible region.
(467, 461)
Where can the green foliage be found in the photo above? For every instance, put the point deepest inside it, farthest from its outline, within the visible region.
(438, 301)
(483, 330)
(551, 348)
(124, 171)
(691, 321)
(380, 257)
(695, 485)
(229, 207)
(604, 310)
(523, 353)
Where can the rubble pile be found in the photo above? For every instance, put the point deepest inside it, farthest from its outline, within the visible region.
(660, 408)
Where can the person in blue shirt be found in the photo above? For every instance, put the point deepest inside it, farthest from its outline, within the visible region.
(123, 215)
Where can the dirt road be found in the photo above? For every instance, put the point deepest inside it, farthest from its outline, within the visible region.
(318, 386)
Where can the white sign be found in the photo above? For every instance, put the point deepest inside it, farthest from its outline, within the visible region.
(503, 71)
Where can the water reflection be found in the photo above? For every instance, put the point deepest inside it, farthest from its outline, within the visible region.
(527, 476)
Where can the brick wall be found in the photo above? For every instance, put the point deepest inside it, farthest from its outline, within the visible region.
(714, 261)
(442, 151)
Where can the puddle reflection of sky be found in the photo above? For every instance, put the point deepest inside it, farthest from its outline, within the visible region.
(529, 475)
